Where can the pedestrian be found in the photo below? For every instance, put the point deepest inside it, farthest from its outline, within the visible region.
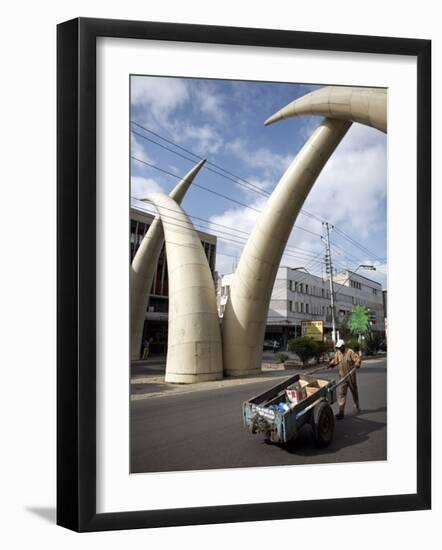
(146, 345)
(275, 346)
(346, 359)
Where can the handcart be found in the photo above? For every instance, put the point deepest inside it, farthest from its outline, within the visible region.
(278, 415)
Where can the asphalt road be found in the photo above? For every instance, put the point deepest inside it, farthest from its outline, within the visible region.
(204, 430)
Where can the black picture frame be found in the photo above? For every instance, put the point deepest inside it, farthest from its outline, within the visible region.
(76, 273)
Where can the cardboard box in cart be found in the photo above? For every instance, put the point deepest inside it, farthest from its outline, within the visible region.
(302, 389)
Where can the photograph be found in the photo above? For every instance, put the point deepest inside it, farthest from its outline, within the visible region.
(230, 278)
(258, 274)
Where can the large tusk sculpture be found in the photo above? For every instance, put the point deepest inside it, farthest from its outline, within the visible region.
(194, 352)
(144, 264)
(246, 311)
(365, 105)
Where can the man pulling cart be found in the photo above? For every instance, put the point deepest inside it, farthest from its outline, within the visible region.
(346, 360)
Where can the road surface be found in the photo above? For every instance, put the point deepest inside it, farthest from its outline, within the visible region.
(203, 429)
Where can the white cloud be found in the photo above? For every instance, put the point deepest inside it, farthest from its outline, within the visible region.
(203, 139)
(140, 187)
(158, 99)
(210, 103)
(352, 187)
(350, 192)
(137, 150)
(160, 96)
(261, 158)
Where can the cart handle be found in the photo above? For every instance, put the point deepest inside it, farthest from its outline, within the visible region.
(304, 411)
(315, 370)
(344, 378)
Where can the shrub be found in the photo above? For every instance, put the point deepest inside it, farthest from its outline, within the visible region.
(305, 348)
(323, 347)
(354, 345)
(282, 357)
(372, 343)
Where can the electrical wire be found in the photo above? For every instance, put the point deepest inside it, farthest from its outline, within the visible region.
(238, 180)
(302, 252)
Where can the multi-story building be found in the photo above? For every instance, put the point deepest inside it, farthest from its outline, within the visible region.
(156, 324)
(300, 296)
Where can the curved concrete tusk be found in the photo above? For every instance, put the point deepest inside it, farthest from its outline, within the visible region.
(365, 105)
(246, 310)
(144, 265)
(194, 351)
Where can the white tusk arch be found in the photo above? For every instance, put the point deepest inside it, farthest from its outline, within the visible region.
(144, 264)
(246, 310)
(194, 351)
(365, 105)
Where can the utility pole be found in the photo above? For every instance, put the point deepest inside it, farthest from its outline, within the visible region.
(329, 271)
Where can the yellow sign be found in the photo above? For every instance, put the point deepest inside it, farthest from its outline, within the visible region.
(313, 329)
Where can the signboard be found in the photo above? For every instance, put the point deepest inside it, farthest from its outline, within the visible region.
(313, 329)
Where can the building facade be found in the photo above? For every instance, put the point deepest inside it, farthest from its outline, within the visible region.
(156, 324)
(300, 296)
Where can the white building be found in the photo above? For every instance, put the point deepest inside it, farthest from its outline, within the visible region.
(300, 296)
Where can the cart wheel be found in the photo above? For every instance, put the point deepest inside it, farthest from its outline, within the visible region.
(323, 424)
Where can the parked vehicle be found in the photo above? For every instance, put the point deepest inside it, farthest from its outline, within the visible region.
(271, 345)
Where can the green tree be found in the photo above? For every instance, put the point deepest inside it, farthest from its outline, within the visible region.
(359, 322)
(304, 347)
(372, 343)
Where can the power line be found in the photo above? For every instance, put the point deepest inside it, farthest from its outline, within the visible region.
(237, 180)
(302, 252)
(342, 252)
(256, 187)
(248, 186)
(214, 192)
(237, 240)
(210, 223)
(356, 244)
(195, 184)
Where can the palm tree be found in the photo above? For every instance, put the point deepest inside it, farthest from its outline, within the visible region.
(359, 321)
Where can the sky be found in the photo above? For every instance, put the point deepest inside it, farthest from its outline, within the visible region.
(222, 121)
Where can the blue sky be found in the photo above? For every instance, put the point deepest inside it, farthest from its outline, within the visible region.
(222, 121)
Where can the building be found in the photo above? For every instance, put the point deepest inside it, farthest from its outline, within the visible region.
(156, 324)
(300, 296)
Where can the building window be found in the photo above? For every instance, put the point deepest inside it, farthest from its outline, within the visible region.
(306, 308)
(300, 287)
(290, 305)
(302, 307)
(306, 289)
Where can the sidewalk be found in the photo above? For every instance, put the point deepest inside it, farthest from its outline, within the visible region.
(147, 377)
